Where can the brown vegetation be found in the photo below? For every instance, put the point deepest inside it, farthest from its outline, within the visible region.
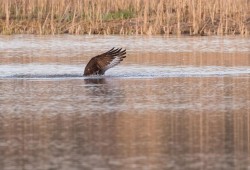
(193, 17)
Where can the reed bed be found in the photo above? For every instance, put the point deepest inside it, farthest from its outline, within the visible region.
(129, 17)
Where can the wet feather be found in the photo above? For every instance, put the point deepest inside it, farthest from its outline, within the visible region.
(101, 63)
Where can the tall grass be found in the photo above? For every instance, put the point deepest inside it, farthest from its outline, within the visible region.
(125, 17)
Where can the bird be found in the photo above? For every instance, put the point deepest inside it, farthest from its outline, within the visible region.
(101, 63)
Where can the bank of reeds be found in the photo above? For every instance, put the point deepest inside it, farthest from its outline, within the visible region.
(193, 17)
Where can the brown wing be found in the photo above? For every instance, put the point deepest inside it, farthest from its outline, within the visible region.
(99, 64)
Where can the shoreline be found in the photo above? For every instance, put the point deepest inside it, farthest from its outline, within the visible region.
(156, 17)
(118, 27)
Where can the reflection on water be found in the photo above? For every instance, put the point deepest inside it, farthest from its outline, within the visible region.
(93, 81)
(155, 111)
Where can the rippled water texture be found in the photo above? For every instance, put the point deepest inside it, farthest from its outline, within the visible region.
(173, 103)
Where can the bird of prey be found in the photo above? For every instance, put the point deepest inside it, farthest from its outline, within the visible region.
(101, 63)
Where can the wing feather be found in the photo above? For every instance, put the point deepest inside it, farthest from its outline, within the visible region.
(101, 63)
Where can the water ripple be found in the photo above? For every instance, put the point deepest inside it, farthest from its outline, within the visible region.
(68, 46)
(131, 71)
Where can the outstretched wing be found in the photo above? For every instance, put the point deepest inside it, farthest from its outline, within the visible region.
(99, 64)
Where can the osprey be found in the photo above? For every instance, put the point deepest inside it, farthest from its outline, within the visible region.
(101, 63)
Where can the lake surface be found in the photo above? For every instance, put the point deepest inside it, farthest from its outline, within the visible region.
(173, 103)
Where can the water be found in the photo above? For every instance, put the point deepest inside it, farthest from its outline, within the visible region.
(173, 103)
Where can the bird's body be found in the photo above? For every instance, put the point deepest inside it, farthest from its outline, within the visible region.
(101, 63)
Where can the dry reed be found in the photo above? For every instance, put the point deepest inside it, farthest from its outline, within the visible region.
(193, 17)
